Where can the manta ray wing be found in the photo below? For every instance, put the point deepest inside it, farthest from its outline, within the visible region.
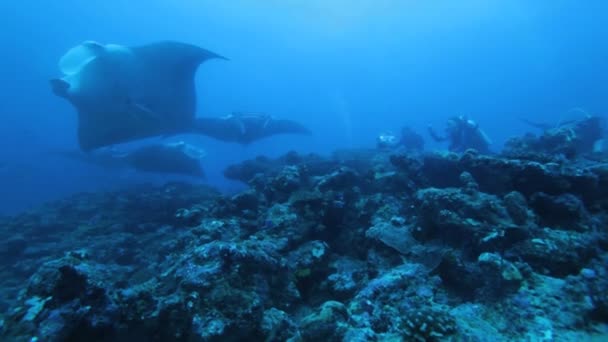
(128, 93)
(167, 86)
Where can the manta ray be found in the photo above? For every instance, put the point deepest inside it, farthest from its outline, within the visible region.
(128, 93)
(178, 158)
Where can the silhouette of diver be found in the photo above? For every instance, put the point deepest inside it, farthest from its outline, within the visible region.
(409, 140)
(462, 134)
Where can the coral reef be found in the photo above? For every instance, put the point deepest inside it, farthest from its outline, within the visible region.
(565, 140)
(364, 245)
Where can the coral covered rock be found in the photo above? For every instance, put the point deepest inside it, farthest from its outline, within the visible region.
(363, 245)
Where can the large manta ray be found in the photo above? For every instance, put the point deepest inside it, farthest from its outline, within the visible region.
(128, 93)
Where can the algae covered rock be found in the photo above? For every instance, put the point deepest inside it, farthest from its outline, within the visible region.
(328, 323)
(277, 326)
(363, 245)
(427, 325)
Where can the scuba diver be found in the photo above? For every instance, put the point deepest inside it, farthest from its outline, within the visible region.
(387, 140)
(462, 134)
(410, 140)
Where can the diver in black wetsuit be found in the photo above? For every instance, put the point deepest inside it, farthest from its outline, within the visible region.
(462, 134)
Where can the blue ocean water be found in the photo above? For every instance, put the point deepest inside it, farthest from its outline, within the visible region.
(346, 69)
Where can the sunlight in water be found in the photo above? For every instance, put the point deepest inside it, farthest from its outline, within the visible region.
(342, 110)
(339, 18)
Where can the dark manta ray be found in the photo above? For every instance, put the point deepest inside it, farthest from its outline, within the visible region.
(128, 93)
(177, 158)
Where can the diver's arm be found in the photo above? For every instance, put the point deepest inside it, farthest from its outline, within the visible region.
(484, 137)
(246, 128)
